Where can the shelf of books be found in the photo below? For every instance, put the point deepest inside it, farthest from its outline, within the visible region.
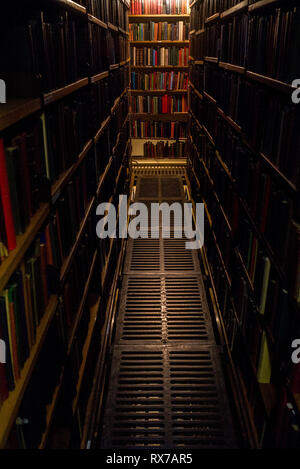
(243, 165)
(63, 141)
(159, 53)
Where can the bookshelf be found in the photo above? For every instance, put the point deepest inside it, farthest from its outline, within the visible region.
(154, 27)
(240, 267)
(96, 163)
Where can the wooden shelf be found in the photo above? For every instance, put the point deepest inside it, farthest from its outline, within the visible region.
(124, 62)
(114, 66)
(232, 68)
(213, 60)
(196, 91)
(164, 17)
(209, 136)
(122, 31)
(244, 268)
(290, 185)
(95, 20)
(198, 62)
(9, 409)
(212, 18)
(199, 31)
(230, 121)
(17, 109)
(65, 177)
(177, 116)
(99, 76)
(69, 5)
(157, 91)
(93, 318)
(209, 98)
(112, 27)
(262, 4)
(80, 310)
(50, 410)
(278, 85)
(117, 101)
(163, 43)
(107, 120)
(69, 259)
(60, 93)
(196, 120)
(103, 176)
(102, 127)
(76, 7)
(10, 264)
(51, 407)
(239, 8)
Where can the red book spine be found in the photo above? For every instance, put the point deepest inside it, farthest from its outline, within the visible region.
(6, 202)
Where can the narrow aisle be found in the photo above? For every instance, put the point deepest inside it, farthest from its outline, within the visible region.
(166, 386)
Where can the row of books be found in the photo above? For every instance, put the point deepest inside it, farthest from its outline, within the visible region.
(51, 50)
(118, 121)
(165, 149)
(159, 81)
(234, 40)
(102, 50)
(141, 56)
(31, 420)
(254, 354)
(156, 129)
(206, 43)
(158, 104)
(260, 42)
(159, 31)
(159, 7)
(272, 132)
(24, 300)
(33, 157)
(204, 9)
(117, 48)
(241, 241)
(45, 52)
(251, 181)
(112, 11)
(22, 306)
(281, 27)
(266, 355)
(254, 259)
(22, 184)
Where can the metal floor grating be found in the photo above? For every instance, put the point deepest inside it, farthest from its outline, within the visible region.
(159, 255)
(166, 397)
(162, 187)
(166, 386)
(163, 309)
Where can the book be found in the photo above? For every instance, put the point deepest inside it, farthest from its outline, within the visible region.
(6, 201)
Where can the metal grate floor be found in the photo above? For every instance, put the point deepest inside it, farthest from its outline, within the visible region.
(166, 387)
(166, 397)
